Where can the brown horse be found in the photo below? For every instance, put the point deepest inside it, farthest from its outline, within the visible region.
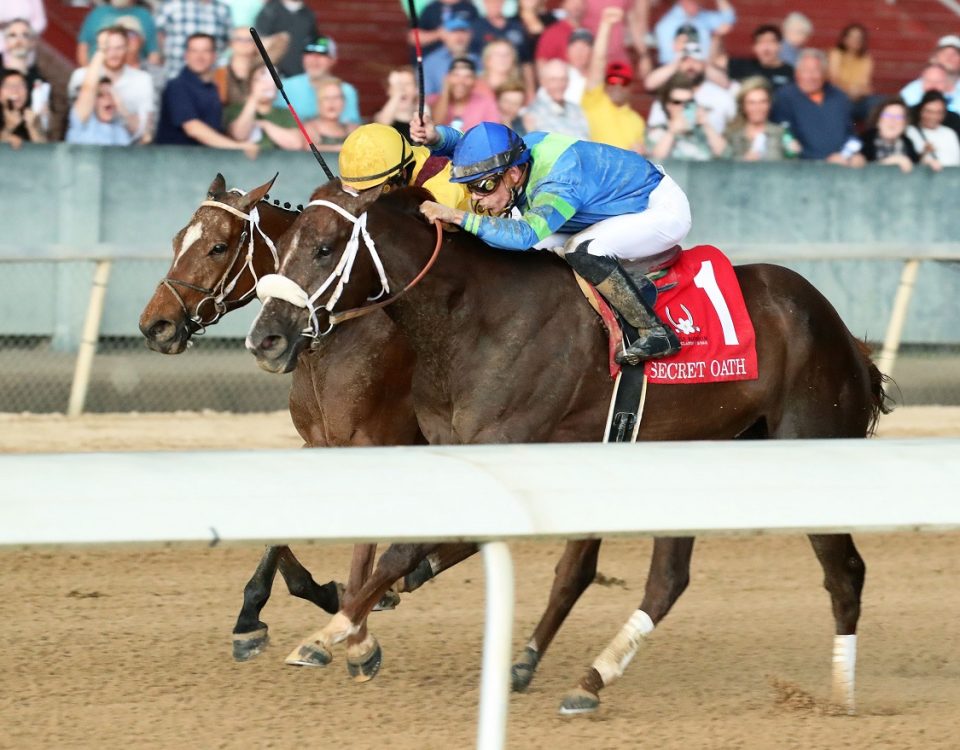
(507, 351)
(355, 390)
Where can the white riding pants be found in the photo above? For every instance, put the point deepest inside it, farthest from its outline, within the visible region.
(664, 224)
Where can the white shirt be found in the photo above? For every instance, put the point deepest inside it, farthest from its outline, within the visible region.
(576, 85)
(719, 103)
(945, 143)
(134, 88)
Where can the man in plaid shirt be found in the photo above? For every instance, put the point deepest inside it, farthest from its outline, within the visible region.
(178, 19)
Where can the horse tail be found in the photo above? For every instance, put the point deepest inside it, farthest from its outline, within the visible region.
(881, 402)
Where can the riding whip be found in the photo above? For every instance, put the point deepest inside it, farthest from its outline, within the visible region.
(276, 80)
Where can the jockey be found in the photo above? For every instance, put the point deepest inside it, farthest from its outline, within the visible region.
(591, 203)
(376, 154)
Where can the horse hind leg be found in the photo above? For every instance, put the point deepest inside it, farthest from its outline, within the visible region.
(300, 583)
(668, 578)
(844, 573)
(574, 573)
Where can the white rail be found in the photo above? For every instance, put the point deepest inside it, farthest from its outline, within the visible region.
(482, 493)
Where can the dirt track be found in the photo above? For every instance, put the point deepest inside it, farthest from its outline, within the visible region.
(109, 648)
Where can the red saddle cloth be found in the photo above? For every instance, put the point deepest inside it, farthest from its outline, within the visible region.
(700, 298)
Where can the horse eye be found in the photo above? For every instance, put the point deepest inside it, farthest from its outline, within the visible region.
(322, 251)
(219, 249)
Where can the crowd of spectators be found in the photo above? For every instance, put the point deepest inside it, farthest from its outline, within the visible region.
(187, 72)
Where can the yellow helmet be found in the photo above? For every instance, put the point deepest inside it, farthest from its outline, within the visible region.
(372, 154)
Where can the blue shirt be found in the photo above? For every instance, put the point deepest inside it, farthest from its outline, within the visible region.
(186, 98)
(95, 132)
(303, 97)
(571, 185)
(105, 15)
(436, 65)
(913, 92)
(823, 128)
(705, 22)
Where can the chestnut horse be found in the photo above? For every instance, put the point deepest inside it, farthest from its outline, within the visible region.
(354, 390)
(508, 351)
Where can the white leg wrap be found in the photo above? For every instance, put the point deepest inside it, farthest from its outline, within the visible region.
(434, 559)
(844, 667)
(338, 629)
(613, 660)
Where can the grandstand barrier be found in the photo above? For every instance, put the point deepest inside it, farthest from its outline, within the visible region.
(487, 494)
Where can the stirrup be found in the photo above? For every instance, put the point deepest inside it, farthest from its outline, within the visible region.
(651, 344)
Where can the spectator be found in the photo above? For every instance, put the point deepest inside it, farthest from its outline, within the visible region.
(635, 14)
(499, 64)
(712, 97)
(495, 26)
(751, 136)
(818, 113)
(690, 13)
(178, 20)
(536, 19)
(244, 12)
(244, 120)
(850, 68)
(435, 16)
(97, 118)
(579, 52)
(402, 101)
(297, 20)
(606, 101)
(552, 44)
(456, 36)
(190, 111)
(766, 60)
(18, 123)
(796, 30)
(947, 57)
(132, 88)
(552, 113)
(47, 102)
(233, 79)
(885, 139)
(103, 16)
(319, 59)
(937, 144)
(462, 104)
(687, 133)
(30, 11)
(327, 129)
(511, 96)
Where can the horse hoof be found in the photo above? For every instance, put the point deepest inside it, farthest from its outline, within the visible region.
(365, 668)
(579, 701)
(388, 601)
(248, 645)
(309, 655)
(521, 674)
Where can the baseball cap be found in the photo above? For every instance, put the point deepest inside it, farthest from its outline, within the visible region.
(463, 62)
(951, 40)
(130, 23)
(692, 49)
(323, 45)
(619, 72)
(456, 23)
(581, 35)
(690, 30)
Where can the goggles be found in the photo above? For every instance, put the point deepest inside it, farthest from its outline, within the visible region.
(485, 185)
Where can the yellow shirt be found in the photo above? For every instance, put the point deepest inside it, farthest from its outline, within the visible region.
(448, 193)
(617, 126)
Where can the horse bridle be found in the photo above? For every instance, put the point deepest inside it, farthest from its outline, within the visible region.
(216, 295)
(285, 288)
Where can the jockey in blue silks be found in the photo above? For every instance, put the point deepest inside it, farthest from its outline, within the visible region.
(591, 203)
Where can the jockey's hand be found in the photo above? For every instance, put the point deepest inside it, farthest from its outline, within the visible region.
(423, 131)
(437, 211)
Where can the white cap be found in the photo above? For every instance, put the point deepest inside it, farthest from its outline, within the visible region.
(951, 40)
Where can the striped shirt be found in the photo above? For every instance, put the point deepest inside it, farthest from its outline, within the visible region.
(177, 20)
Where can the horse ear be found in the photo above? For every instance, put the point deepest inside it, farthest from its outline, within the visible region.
(252, 198)
(217, 187)
(367, 197)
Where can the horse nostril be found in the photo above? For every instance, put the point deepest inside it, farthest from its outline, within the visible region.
(273, 343)
(162, 330)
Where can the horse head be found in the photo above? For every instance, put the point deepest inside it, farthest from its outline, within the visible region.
(328, 260)
(218, 257)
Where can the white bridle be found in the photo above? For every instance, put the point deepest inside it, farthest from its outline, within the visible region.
(284, 288)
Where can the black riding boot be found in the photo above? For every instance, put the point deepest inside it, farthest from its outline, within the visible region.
(655, 339)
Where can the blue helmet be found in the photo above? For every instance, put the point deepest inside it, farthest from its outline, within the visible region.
(487, 149)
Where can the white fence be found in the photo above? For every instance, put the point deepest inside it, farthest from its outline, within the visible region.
(483, 493)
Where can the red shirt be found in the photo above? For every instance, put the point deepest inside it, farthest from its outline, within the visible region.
(553, 41)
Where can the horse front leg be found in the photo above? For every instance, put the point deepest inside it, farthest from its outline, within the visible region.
(844, 573)
(396, 562)
(574, 573)
(668, 578)
(300, 583)
(250, 635)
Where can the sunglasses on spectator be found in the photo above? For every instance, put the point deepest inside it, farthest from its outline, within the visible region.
(893, 116)
(680, 102)
(485, 185)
